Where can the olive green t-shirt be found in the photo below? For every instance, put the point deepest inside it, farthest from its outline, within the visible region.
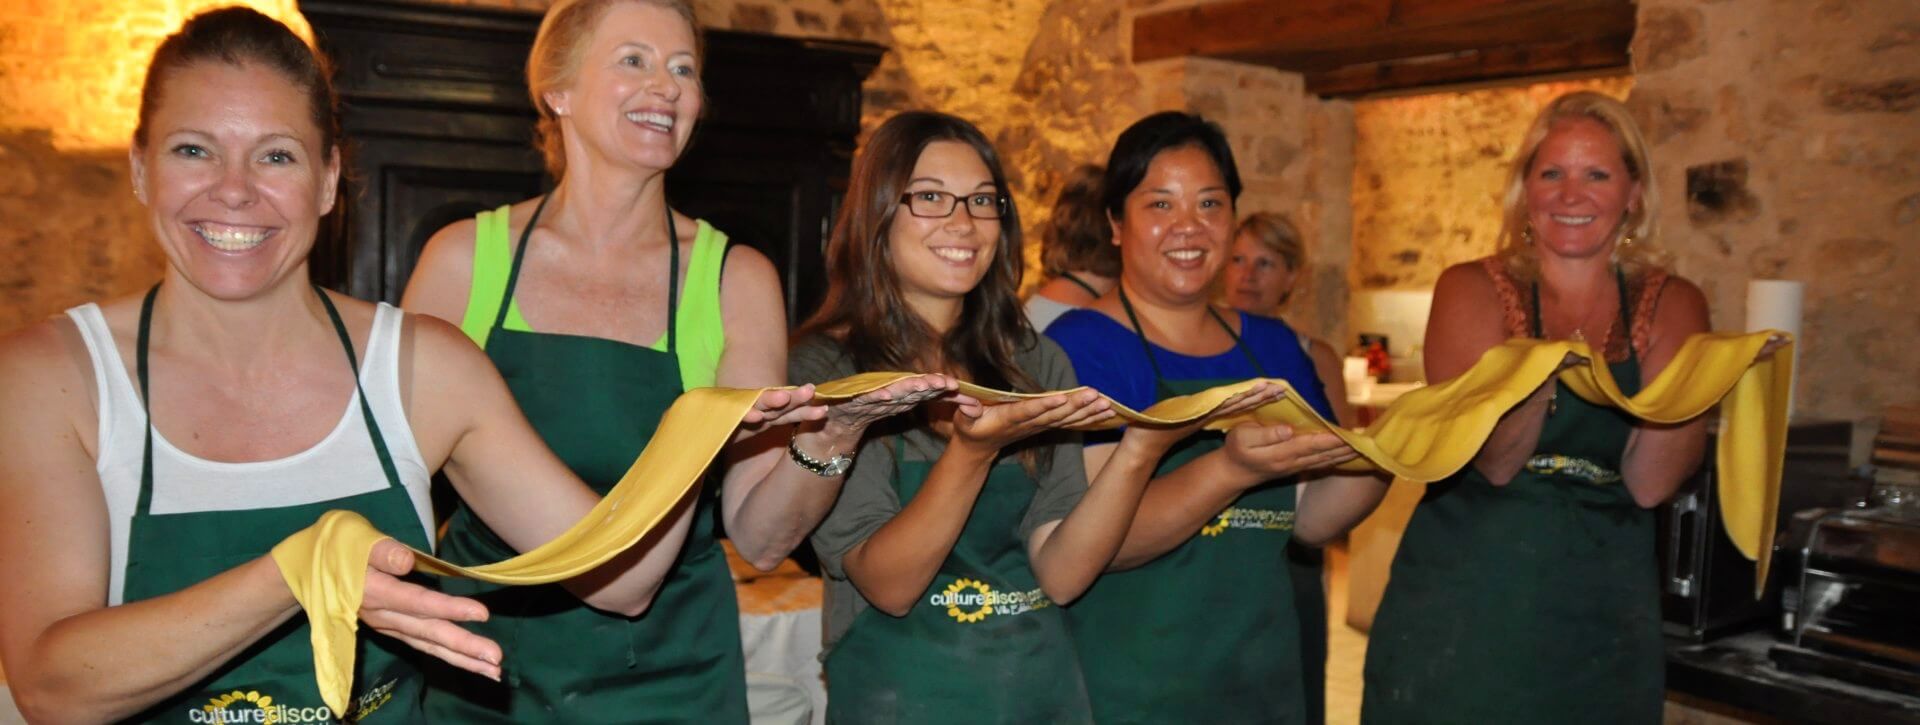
(869, 499)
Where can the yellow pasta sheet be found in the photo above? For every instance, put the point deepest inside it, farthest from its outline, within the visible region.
(1426, 435)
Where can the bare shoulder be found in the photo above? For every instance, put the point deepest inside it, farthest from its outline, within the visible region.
(439, 348)
(449, 251)
(1466, 280)
(748, 270)
(46, 376)
(750, 291)
(1681, 309)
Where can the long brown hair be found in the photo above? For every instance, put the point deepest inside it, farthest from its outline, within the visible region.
(864, 309)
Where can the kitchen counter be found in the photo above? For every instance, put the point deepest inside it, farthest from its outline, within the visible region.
(1737, 672)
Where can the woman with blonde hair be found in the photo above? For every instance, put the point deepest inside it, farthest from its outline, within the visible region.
(1524, 589)
(1261, 276)
(600, 304)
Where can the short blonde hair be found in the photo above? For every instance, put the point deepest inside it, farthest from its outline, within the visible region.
(1635, 242)
(559, 49)
(1276, 232)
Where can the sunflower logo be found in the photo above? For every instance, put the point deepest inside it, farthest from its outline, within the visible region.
(1219, 525)
(954, 600)
(264, 703)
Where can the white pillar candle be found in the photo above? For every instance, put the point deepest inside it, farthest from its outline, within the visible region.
(1775, 304)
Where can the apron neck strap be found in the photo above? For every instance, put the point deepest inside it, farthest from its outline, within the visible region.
(1141, 333)
(1070, 277)
(146, 398)
(513, 271)
(673, 274)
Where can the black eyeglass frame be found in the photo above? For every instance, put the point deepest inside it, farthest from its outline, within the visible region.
(999, 208)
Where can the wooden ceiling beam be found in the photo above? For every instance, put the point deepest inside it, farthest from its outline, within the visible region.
(1322, 35)
(1251, 26)
(1470, 67)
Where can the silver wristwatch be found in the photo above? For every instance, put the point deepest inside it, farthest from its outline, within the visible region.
(835, 465)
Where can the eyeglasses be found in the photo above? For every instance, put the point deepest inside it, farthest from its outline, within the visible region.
(940, 204)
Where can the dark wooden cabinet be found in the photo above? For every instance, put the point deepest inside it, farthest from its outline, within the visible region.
(439, 127)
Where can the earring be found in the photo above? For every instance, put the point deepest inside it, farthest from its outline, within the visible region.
(1626, 240)
(1526, 234)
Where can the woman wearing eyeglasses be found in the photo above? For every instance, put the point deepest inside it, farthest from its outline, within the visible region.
(959, 533)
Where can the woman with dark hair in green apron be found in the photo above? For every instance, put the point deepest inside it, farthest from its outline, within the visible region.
(1213, 619)
(1524, 588)
(600, 304)
(959, 535)
(138, 502)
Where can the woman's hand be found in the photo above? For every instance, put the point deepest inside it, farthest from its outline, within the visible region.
(1774, 343)
(1158, 440)
(1273, 451)
(422, 618)
(993, 427)
(853, 416)
(782, 406)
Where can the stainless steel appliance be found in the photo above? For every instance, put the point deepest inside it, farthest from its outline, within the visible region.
(1856, 616)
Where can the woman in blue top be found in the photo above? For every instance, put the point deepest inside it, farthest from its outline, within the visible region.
(1204, 626)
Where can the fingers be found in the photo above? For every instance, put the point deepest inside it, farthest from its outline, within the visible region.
(391, 557)
(442, 639)
(384, 592)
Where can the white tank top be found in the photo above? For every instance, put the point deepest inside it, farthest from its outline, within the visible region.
(341, 464)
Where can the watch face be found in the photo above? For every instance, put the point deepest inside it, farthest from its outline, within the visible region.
(837, 465)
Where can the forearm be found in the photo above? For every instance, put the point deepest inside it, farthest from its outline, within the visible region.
(113, 662)
(1513, 439)
(1332, 505)
(1086, 541)
(894, 565)
(627, 583)
(1659, 458)
(784, 502)
(1177, 504)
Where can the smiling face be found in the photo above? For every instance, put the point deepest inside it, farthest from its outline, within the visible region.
(1257, 278)
(939, 260)
(1578, 189)
(234, 177)
(1174, 237)
(637, 94)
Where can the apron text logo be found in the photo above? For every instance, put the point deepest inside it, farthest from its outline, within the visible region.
(983, 600)
(1239, 518)
(252, 707)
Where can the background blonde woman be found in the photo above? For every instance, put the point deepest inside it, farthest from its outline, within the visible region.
(1264, 269)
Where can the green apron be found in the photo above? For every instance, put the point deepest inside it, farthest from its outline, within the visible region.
(596, 403)
(982, 645)
(1212, 631)
(272, 681)
(1532, 602)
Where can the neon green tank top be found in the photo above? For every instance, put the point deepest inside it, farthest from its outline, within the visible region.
(702, 336)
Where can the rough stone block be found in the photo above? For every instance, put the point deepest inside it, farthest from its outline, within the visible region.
(1896, 96)
(1666, 37)
(1717, 193)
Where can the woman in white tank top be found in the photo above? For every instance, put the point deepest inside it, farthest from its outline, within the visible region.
(138, 501)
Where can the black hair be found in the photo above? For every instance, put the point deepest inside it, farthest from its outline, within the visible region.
(1147, 138)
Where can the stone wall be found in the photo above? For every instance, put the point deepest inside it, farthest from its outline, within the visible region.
(70, 75)
(1797, 125)
(1428, 176)
(1048, 80)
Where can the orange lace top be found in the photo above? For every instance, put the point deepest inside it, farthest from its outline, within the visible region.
(1516, 306)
